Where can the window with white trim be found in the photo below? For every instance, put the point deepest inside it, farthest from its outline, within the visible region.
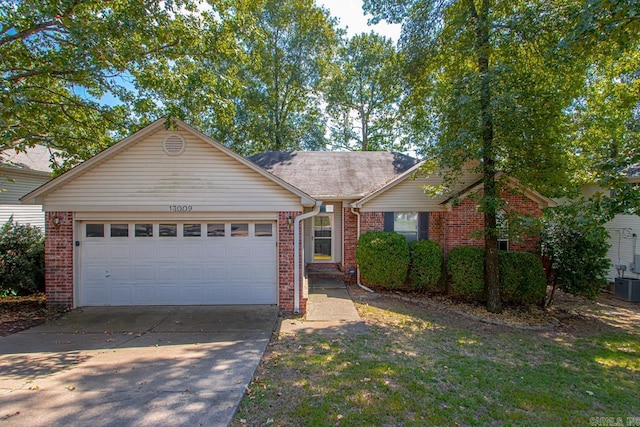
(502, 225)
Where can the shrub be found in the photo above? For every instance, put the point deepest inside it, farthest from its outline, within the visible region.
(426, 265)
(465, 265)
(575, 241)
(21, 259)
(383, 258)
(522, 278)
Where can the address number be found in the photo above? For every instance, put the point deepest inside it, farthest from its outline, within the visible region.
(180, 208)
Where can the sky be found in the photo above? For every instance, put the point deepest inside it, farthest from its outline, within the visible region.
(350, 14)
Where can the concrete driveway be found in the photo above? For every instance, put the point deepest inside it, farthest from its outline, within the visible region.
(133, 366)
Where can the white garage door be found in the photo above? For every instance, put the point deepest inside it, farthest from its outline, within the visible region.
(177, 263)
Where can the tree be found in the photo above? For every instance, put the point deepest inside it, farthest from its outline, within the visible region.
(491, 81)
(364, 95)
(288, 55)
(606, 117)
(60, 59)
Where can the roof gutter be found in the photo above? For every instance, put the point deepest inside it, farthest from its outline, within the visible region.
(296, 254)
(357, 214)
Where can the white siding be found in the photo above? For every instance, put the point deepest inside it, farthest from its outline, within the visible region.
(14, 184)
(621, 230)
(408, 196)
(24, 214)
(144, 178)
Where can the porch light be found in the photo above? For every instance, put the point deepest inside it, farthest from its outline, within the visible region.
(289, 221)
(56, 221)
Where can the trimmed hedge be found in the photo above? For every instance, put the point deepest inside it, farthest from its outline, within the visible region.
(426, 265)
(522, 277)
(465, 266)
(383, 258)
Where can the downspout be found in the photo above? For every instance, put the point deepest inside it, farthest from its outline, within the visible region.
(296, 254)
(357, 214)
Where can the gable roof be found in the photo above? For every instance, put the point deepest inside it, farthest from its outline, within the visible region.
(475, 186)
(33, 159)
(335, 174)
(37, 196)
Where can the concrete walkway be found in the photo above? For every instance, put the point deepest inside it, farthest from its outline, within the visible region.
(329, 310)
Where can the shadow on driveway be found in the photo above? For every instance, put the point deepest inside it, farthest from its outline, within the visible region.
(133, 366)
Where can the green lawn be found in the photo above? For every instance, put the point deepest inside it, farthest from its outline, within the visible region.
(416, 367)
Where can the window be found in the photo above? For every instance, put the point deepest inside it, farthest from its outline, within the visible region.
(215, 230)
(502, 224)
(412, 225)
(406, 223)
(168, 230)
(239, 230)
(119, 230)
(144, 230)
(94, 230)
(191, 230)
(263, 230)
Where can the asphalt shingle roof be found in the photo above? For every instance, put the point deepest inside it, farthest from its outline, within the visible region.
(36, 158)
(335, 174)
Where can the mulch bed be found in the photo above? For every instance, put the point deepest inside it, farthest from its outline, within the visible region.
(568, 312)
(20, 313)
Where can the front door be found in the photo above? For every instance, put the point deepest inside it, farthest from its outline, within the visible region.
(322, 240)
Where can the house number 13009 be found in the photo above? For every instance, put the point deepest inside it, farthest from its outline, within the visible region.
(180, 208)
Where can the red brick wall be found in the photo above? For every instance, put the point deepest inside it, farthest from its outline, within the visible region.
(369, 221)
(460, 226)
(450, 229)
(58, 256)
(286, 263)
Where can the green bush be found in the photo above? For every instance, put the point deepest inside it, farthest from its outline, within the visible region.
(465, 266)
(522, 278)
(383, 258)
(575, 241)
(21, 259)
(426, 265)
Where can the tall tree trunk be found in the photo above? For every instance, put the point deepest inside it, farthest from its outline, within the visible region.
(365, 140)
(491, 195)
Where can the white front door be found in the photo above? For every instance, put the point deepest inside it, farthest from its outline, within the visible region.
(323, 238)
(178, 262)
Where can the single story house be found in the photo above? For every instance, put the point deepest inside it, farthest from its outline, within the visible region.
(169, 216)
(20, 173)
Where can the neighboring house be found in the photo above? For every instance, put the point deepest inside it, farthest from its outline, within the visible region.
(624, 231)
(21, 173)
(169, 217)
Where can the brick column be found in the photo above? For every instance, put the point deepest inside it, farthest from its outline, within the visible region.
(58, 256)
(286, 263)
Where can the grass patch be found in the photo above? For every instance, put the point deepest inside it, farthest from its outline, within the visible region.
(420, 368)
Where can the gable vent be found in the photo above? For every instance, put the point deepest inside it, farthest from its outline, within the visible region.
(174, 145)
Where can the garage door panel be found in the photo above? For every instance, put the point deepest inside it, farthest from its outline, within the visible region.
(119, 295)
(192, 272)
(118, 251)
(154, 270)
(143, 273)
(166, 250)
(95, 250)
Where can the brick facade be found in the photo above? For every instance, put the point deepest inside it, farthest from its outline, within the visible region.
(286, 264)
(58, 255)
(458, 227)
(369, 221)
